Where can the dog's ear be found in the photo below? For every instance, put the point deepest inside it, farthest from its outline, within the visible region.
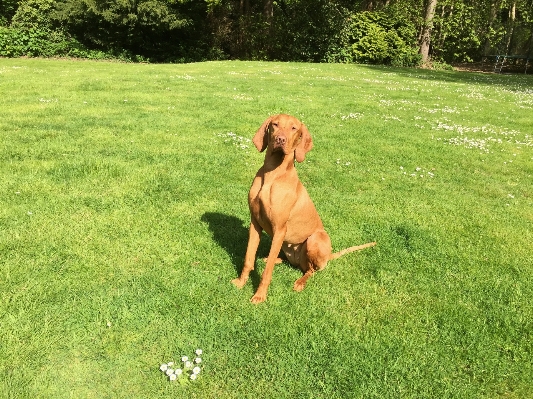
(261, 136)
(305, 145)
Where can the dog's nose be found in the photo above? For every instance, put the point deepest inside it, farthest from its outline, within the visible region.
(281, 140)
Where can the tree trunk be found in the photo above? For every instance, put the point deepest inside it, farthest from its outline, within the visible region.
(494, 7)
(425, 37)
(446, 33)
(269, 11)
(370, 5)
(512, 18)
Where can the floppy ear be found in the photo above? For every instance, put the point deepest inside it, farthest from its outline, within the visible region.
(305, 145)
(261, 136)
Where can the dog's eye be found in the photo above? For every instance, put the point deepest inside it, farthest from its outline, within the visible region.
(294, 128)
(275, 124)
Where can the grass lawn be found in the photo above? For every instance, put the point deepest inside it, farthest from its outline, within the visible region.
(123, 218)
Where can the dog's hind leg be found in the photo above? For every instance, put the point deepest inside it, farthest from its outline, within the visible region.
(316, 252)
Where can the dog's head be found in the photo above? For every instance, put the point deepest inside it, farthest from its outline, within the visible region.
(284, 133)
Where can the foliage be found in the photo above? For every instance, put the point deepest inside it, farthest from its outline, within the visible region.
(34, 14)
(157, 29)
(373, 32)
(16, 42)
(305, 30)
(8, 8)
(459, 32)
(376, 38)
(466, 31)
(34, 32)
(33, 42)
(298, 31)
(236, 33)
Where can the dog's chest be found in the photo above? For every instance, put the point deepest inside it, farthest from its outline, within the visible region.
(261, 206)
(272, 200)
(268, 202)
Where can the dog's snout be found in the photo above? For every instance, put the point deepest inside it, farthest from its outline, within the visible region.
(281, 140)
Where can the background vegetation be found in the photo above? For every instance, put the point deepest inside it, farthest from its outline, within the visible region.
(123, 218)
(395, 32)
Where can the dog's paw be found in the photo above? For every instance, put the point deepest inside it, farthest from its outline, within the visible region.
(258, 299)
(278, 261)
(237, 282)
(299, 285)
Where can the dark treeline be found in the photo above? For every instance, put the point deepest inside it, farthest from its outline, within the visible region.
(395, 32)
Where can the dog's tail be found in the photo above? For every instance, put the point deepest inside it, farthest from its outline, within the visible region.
(351, 249)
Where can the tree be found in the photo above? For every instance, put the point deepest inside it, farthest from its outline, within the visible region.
(511, 25)
(494, 7)
(397, 32)
(427, 27)
(467, 30)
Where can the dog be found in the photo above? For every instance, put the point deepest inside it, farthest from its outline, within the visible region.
(280, 205)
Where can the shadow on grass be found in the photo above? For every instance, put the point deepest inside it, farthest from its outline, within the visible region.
(508, 80)
(231, 234)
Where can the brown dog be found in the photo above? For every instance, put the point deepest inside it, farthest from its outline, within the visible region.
(280, 205)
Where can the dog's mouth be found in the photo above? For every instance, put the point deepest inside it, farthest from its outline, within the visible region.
(280, 143)
(278, 146)
(281, 148)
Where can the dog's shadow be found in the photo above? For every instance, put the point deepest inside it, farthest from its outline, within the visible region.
(231, 233)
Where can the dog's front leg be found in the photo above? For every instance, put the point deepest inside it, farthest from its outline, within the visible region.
(249, 262)
(266, 278)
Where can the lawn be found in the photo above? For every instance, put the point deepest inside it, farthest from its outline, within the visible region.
(124, 217)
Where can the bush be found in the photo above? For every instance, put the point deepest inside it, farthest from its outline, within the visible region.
(35, 33)
(32, 34)
(16, 42)
(374, 38)
(34, 14)
(34, 42)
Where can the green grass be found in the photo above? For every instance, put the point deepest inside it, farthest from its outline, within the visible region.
(123, 218)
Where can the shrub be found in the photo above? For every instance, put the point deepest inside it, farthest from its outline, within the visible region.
(34, 42)
(375, 38)
(33, 14)
(32, 33)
